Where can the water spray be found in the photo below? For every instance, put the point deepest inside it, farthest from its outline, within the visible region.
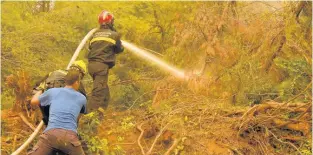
(150, 57)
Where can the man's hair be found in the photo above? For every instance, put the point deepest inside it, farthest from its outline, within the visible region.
(72, 76)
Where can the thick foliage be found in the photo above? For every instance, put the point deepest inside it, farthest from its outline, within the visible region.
(245, 51)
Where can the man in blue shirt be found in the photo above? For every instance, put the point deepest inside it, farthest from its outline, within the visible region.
(65, 106)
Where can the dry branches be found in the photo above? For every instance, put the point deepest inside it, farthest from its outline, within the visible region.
(139, 127)
(156, 138)
(287, 120)
(139, 138)
(20, 84)
(26, 121)
(284, 142)
(176, 141)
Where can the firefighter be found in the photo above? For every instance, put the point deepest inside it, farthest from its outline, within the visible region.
(65, 104)
(56, 79)
(103, 47)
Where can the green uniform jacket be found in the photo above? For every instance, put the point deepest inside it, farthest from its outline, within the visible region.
(104, 45)
(55, 79)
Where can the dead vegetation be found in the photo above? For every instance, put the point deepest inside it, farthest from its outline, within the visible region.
(20, 84)
(13, 132)
(196, 124)
(181, 121)
(277, 126)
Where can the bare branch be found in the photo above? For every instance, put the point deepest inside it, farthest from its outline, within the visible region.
(26, 121)
(172, 147)
(138, 140)
(156, 139)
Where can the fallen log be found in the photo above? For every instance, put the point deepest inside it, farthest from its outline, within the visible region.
(262, 108)
(303, 127)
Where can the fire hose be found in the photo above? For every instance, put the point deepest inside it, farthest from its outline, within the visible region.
(139, 52)
(35, 133)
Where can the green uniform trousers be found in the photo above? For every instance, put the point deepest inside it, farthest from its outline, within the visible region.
(100, 95)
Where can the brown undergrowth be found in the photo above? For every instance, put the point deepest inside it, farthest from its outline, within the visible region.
(181, 121)
(14, 132)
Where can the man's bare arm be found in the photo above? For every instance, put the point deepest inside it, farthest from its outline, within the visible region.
(35, 99)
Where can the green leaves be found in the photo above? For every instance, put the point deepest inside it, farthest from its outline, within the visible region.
(234, 43)
(295, 66)
(127, 124)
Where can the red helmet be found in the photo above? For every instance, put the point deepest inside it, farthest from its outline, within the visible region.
(105, 17)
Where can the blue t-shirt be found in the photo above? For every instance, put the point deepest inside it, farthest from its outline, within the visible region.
(65, 106)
